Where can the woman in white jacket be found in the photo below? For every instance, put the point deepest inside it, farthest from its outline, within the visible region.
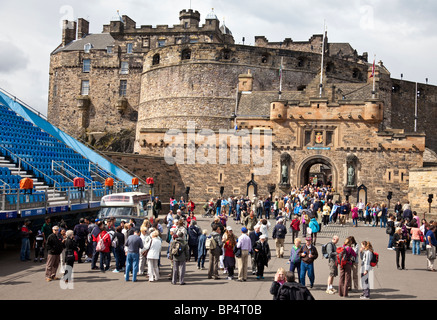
(366, 253)
(153, 254)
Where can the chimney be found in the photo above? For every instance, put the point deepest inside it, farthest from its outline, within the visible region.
(68, 32)
(83, 27)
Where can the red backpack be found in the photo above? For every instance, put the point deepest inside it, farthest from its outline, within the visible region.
(374, 260)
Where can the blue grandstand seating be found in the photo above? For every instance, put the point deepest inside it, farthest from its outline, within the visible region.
(36, 148)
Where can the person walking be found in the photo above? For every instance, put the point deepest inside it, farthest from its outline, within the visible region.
(70, 248)
(214, 254)
(366, 253)
(390, 230)
(295, 259)
(331, 254)
(245, 244)
(308, 254)
(254, 237)
(294, 226)
(25, 241)
(346, 257)
(279, 232)
(153, 248)
(201, 250)
(416, 235)
(118, 246)
(193, 239)
(431, 244)
(132, 246)
(399, 243)
(180, 254)
(262, 255)
(353, 283)
(54, 246)
(229, 256)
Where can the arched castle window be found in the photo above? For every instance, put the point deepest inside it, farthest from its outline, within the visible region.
(186, 54)
(155, 59)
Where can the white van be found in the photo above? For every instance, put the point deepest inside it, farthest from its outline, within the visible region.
(124, 206)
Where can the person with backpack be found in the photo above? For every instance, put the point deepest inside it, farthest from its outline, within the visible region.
(346, 257)
(329, 251)
(214, 244)
(279, 232)
(390, 230)
(289, 290)
(366, 253)
(294, 226)
(103, 247)
(308, 254)
(179, 253)
(315, 228)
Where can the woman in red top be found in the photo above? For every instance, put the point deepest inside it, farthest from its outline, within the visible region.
(229, 259)
(105, 250)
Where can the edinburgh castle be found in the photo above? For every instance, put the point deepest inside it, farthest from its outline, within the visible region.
(325, 112)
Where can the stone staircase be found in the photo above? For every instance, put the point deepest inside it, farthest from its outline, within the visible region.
(54, 197)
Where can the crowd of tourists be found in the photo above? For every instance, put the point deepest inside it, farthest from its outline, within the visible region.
(302, 213)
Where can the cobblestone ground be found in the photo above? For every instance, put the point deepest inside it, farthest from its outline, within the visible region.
(25, 280)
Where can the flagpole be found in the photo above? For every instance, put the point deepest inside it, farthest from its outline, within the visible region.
(373, 74)
(415, 111)
(323, 54)
(280, 79)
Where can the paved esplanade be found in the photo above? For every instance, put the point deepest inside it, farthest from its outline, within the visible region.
(26, 280)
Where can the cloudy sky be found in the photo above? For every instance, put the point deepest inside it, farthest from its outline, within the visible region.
(401, 33)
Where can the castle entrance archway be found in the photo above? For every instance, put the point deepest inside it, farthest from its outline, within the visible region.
(317, 170)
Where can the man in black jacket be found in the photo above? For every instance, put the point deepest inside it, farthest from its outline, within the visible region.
(54, 245)
(279, 233)
(290, 290)
(254, 237)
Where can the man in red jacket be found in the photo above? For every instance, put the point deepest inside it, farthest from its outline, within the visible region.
(104, 247)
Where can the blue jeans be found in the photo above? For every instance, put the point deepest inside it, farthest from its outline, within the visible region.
(218, 210)
(304, 268)
(416, 246)
(390, 242)
(132, 264)
(201, 261)
(294, 266)
(383, 222)
(25, 249)
(105, 260)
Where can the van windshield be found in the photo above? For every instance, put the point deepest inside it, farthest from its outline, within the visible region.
(117, 211)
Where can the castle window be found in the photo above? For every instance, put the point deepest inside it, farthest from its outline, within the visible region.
(264, 58)
(123, 88)
(301, 87)
(330, 67)
(226, 54)
(109, 49)
(155, 59)
(356, 74)
(395, 88)
(129, 48)
(329, 138)
(301, 62)
(86, 65)
(161, 43)
(87, 47)
(308, 135)
(186, 54)
(124, 67)
(85, 87)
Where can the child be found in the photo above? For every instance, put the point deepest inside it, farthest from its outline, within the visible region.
(38, 245)
(294, 257)
(280, 276)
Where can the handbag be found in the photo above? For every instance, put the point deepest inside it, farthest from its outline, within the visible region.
(237, 252)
